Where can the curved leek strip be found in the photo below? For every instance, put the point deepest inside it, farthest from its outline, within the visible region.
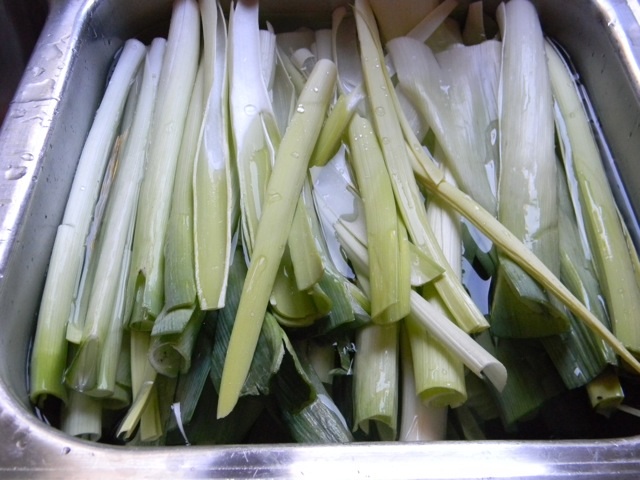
(50, 344)
(281, 197)
(146, 281)
(603, 226)
(477, 359)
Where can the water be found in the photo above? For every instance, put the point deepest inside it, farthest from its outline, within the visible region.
(15, 173)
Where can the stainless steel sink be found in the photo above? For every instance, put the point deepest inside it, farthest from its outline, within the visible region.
(40, 142)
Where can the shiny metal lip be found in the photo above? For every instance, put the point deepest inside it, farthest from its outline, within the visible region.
(39, 145)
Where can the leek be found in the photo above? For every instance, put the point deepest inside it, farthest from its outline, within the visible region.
(389, 287)
(527, 190)
(455, 93)
(179, 278)
(215, 195)
(376, 379)
(439, 376)
(603, 226)
(146, 280)
(389, 128)
(82, 418)
(50, 347)
(102, 335)
(418, 422)
(281, 196)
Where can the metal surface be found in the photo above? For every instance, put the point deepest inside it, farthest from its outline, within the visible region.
(39, 146)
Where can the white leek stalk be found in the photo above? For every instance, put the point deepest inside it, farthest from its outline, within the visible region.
(94, 365)
(50, 345)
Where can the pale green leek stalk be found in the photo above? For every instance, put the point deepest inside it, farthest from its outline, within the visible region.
(459, 343)
(527, 193)
(170, 354)
(390, 133)
(50, 345)
(146, 281)
(215, 195)
(144, 409)
(389, 287)
(179, 270)
(82, 417)
(455, 93)
(376, 382)
(281, 197)
(521, 255)
(418, 422)
(257, 138)
(439, 375)
(351, 92)
(94, 365)
(92, 243)
(603, 226)
(121, 397)
(578, 354)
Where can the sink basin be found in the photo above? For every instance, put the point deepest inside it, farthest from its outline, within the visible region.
(40, 142)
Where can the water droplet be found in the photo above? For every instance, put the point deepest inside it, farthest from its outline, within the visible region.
(295, 155)
(386, 140)
(380, 112)
(35, 91)
(37, 71)
(494, 136)
(14, 173)
(275, 197)
(316, 89)
(27, 157)
(18, 113)
(300, 108)
(250, 109)
(66, 451)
